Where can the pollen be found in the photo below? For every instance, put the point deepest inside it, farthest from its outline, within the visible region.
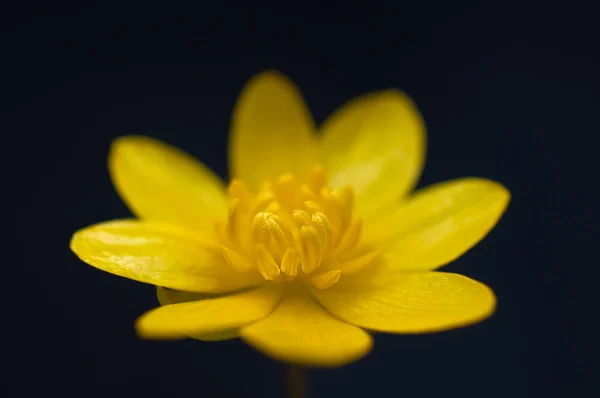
(293, 232)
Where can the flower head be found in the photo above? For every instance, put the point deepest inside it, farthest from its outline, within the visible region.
(315, 240)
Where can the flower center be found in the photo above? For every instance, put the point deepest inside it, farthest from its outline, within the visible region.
(291, 231)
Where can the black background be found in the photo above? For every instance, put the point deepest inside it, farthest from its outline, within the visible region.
(508, 92)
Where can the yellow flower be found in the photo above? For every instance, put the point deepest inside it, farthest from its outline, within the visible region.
(315, 240)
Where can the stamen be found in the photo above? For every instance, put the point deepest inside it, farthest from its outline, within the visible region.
(288, 231)
(260, 230)
(273, 207)
(266, 265)
(285, 190)
(237, 189)
(289, 262)
(321, 223)
(312, 206)
(282, 228)
(316, 179)
(345, 198)
(281, 236)
(222, 232)
(301, 217)
(261, 202)
(311, 250)
(306, 194)
(234, 260)
(326, 279)
(233, 218)
(332, 209)
(350, 237)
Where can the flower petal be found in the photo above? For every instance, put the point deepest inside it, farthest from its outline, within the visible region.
(438, 223)
(159, 254)
(376, 144)
(160, 182)
(272, 131)
(170, 296)
(300, 331)
(409, 302)
(214, 315)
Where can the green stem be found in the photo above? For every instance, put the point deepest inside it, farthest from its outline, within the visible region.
(296, 382)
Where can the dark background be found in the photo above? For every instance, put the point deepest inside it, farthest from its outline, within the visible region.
(508, 92)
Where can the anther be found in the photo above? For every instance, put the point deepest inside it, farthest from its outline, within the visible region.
(260, 230)
(321, 223)
(316, 179)
(350, 237)
(311, 250)
(311, 206)
(233, 218)
(289, 262)
(266, 265)
(261, 202)
(285, 190)
(345, 198)
(234, 260)
(301, 217)
(326, 279)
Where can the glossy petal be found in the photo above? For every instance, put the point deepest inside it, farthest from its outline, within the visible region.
(272, 131)
(409, 302)
(214, 315)
(438, 223)
(376, 144)
(158, 253)
(170, 296)
(300, 331)
(159, 182)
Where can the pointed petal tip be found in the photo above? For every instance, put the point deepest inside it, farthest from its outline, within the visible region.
(495, 187)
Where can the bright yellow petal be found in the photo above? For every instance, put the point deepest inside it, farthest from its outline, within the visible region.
(159, 254)
(301, 332)
(376, 144)
(272, 131)
(170, 296)
(438, 223)
(409, 302)
(208, 316)
(160, 182)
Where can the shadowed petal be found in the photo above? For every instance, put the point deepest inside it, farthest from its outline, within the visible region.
(214, 315)
(170, 296)
(160, 182)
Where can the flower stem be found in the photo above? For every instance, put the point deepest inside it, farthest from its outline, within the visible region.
(296, 382)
